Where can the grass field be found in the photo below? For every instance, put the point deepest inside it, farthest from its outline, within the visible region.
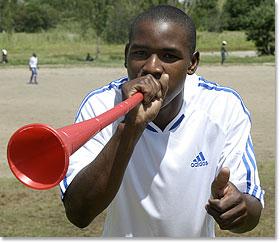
(60, 47)
(30, 213)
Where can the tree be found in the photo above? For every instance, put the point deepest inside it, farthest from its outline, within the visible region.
(205, 14)
(234, 13)
(7, 10)
(33, 17)
(120, 15)
(92, 15)
(261, 27)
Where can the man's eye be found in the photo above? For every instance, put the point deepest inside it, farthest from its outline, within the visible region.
(170, 57)
(138, 54)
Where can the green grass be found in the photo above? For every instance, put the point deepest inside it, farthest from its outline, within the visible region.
(58, 47)
(31, 213)
(211, 41)
(237, 60)
(266, 226)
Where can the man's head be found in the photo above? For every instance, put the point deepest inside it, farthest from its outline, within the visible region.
(167, 13)
(162, 40)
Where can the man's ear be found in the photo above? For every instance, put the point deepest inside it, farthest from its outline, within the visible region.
(125, 54)
(194, 63)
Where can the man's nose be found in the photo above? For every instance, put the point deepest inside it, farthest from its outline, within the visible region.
(153, 66)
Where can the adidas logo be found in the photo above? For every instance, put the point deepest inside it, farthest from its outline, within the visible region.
(199, 161)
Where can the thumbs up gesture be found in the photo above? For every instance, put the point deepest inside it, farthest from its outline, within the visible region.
(227, 205)
(220, 184)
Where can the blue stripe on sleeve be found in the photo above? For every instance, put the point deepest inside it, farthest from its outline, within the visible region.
(115, 84)
(251, 144)
(252, 160)
(207, 81)
(226, 89)
(255, 191)
(248, 178)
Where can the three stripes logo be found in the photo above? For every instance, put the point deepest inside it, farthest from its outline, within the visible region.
(199, 161)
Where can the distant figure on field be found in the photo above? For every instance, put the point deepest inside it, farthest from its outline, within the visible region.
(33, 67)
(89, 58)
(4, 56)
(223, 52)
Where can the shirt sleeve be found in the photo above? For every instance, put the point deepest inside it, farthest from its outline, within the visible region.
(85, 155)
(238, 153)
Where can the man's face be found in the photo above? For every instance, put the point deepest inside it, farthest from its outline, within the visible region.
(158, 47)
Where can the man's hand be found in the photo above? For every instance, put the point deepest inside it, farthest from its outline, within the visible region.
(154, 92)
(232, 209)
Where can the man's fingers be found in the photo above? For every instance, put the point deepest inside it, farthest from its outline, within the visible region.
(151, 87)
(156, 89)
(164, 83)
(220, 183)
(229, 219)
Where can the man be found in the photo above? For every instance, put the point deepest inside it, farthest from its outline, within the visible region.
(180, 159)
(223, 52)
(89, 58)
(33, 67)
(4, 56)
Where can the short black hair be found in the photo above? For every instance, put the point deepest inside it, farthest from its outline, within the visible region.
(167, 13)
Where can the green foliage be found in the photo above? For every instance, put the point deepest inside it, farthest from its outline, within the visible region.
(257, 17)
(59, 46)
(33, 18)
(211, 41)
(205, 14)
(234, 13)
(8, 10)
(261, 27)
(119, 17)
(108, 20)
(26, 16)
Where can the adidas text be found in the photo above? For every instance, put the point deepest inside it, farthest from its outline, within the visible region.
(198, 164)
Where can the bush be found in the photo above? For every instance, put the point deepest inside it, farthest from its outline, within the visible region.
(234, 14)
(205, 14)
(119, 17)
(33, 18)
(261, 27)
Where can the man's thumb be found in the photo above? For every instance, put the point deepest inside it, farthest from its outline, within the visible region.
(164, 83)
(220, 183)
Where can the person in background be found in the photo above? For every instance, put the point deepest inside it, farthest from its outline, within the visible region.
(33, 67)
(4, 56)
(224, 52)
(89, 58)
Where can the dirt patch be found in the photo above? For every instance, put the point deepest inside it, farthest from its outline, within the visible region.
(60, 91)
(55, 101)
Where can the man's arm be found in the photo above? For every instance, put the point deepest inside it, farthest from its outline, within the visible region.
(95, 186)
(232, 209)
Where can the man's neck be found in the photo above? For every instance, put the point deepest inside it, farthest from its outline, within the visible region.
(169, 112)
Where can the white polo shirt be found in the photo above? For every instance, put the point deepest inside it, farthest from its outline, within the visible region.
(33, 61)
(168, 179)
